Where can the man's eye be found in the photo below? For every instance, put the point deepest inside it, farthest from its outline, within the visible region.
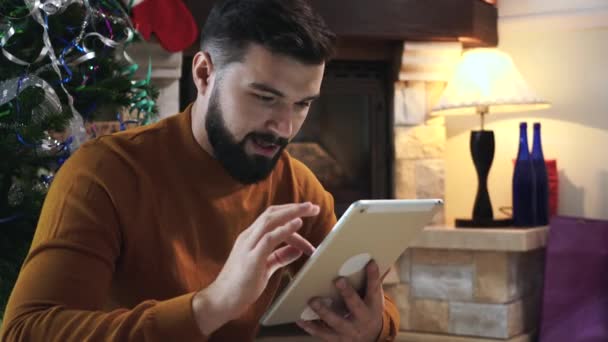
(264, 98)
(303, 104)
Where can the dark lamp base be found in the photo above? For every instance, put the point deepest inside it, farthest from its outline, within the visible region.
(483, 223)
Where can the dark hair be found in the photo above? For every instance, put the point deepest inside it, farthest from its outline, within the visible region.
(288, 27)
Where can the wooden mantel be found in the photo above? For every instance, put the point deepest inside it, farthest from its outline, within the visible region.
(474, 22)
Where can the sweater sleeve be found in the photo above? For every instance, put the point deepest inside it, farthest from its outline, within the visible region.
(65, 280)
(315, 230)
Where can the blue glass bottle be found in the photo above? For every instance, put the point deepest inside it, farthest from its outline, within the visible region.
(524, 199)
(541, 179)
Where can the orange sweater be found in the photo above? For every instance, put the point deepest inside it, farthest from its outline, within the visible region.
(137, 222)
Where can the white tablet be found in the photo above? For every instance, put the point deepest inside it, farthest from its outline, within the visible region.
(370, 229)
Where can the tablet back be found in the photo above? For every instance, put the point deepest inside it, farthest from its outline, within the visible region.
(370, 229)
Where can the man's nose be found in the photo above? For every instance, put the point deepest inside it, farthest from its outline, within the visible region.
(282, 123)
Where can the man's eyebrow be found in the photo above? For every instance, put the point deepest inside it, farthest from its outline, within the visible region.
(266, 88)
(310, 98)
(269, 89)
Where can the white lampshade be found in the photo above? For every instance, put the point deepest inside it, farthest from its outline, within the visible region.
(488, 78)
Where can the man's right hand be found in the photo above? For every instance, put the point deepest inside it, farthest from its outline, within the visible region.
(253, 260)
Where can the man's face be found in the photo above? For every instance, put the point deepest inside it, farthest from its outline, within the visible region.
(255, 108)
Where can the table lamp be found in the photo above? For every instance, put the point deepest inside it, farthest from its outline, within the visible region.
(485, 81)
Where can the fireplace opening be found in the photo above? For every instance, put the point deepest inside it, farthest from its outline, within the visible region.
(346, 139)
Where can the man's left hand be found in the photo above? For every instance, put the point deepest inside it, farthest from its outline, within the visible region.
(364, 323)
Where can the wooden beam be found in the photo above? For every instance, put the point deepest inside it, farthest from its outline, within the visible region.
(411, 19)
(474, 22)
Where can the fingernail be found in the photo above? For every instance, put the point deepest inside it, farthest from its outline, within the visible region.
(341, 284)
(373, 266)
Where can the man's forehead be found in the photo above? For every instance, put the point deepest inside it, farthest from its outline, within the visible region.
(262, 66)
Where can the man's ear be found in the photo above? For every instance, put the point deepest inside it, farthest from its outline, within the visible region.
(202, 68)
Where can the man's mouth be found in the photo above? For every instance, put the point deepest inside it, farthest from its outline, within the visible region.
(264, 147)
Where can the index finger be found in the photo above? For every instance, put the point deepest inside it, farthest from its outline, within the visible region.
(279, 216)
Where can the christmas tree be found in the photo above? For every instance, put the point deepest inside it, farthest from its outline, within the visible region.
(62, 65)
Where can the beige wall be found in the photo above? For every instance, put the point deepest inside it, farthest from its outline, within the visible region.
(563, 53)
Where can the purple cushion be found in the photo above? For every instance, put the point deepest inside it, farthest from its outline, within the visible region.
(575, 297)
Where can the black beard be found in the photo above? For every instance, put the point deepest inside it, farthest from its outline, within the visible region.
(231, 154)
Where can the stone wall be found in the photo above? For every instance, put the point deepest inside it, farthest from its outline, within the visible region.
(492, 295)
(419, 137)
